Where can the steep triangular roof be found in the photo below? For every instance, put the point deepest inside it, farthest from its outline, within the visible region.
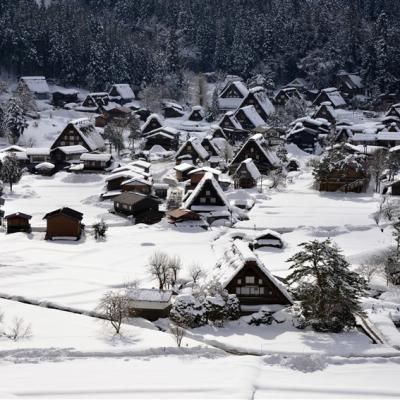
(251, 168)
(207, 178)
(197, 146)
(149, 119)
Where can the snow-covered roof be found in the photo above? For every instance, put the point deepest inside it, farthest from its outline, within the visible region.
(164, 130)
(230, 115)
(45, 165)
(197, 146)
(153, 295)
(131, 168)
(122, 174)
(88, 133)
(12, 149)
(262, 99)
(251, 168)
(239, 85)
(235, 258)
(137, 179)
(252, 114)
(352, 81)
(151, 117)
(205, 169)
(75, 149)
(36, 84)
(96, 157)
(334, 97)
(266, 232)
(183, 167)
(38, 151)
(371, 137)
(141, 164)
(124, 90)
(171, 104)
(208, 177)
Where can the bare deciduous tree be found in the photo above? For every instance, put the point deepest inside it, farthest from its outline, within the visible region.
(114, 307)
(369, 270)
(175, 265)
(178, 332)
(159, 268)
(19, 330)
(376, 165)
(196, 273)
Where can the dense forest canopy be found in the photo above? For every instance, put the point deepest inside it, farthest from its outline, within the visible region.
(97, 42)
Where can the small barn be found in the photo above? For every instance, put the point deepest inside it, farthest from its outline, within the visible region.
(326, 111)
(166, 137)
(115, 180)
(37, 155)
(267, 238)
(152, 123)
(37, 85)
(121, 93)
(64, 224)
(242, 273)
(137, 185)
(80, 132)
(144, 208)
(150, 304)
(210, 145)
(246, 175)
(229, 121)
(196, 114)
(64, 155)
(179, 215)
(18, 222)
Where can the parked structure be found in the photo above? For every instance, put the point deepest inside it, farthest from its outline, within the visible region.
(18, 222)
(64, 224)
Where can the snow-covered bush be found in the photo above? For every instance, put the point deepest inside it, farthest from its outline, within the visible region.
(215, 307)
(232, 307)
(100, 229)
(262, 317)
(188, 312)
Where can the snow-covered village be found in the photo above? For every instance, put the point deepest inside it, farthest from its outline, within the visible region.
(199, 200)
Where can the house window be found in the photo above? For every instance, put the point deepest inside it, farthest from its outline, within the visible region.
(213, 200)
(62, 143)
(250, 280)
(260, 282)
(239, 281)
(252, 150)
(208, 193)
(202, 200)
(261, 290)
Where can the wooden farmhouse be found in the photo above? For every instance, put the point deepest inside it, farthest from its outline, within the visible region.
(246, 175)
(182, 170)
(232, 95)
(64, 224)
(144, 208)
(229, 121)
(197, 174)
(94, 101)
(331, 95)
(258, 98)
(285, 94)
(210, 145)
(121, 93)
(192, 149)
(37, 155)
(96, 161)
(64, 96)
(300, 84)
(80, 132)
(166, 137)
(118, 115)
(216, 132)
(152, 123)
(383, 138)
(208, 199)
(181, 215)
(255, 148)
(172, 110)
(196, 114)
(394, 111)
(242, 273)
(36, 85)
(18, 222)
(150, 304)
(350, 84)
(122, 174)
(141, 164)
(249, 118)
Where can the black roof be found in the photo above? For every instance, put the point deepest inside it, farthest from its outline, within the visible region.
(19, 214)
(66, 211)
(132, 198)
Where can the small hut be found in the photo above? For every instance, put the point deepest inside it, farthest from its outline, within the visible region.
(18, 222)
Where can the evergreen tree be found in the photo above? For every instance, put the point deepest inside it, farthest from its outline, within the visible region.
(329, 293)
(15, 120)
(10, 171)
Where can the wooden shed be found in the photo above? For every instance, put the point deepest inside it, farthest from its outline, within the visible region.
(64, 223)
(18, 222)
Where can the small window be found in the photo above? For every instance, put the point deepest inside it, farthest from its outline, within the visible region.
(213, 200)
(252, 150)
(239, 281)
(208, 193)
(202, 200)
(260, 282)
(261, 290)
(250, 280)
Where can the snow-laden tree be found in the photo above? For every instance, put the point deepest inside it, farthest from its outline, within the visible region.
(15, 121)
(188, 312)
(328, 291)
(10, 171)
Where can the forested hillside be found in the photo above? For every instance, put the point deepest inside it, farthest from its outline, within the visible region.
(95, 42)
